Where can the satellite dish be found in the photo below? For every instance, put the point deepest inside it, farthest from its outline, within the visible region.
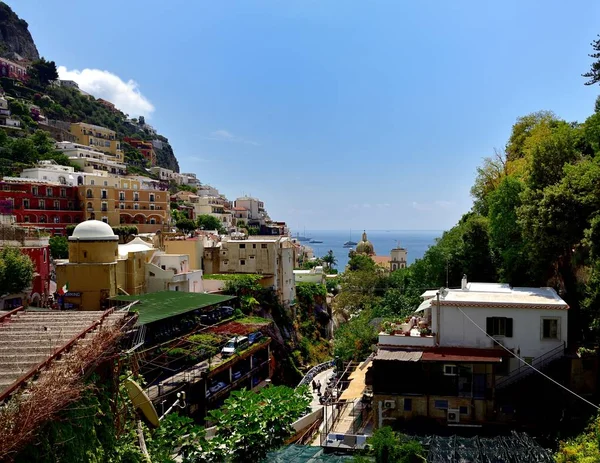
(142, 402)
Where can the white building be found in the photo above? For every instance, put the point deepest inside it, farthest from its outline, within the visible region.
(530, 322)
(90, 160)
(167, 175)
(189, 178)
(314, 275)
(51, 172)
(171, 272)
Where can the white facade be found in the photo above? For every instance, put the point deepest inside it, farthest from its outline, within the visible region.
(171, 272)
(50, 172)
(167, 175)
(528, 321)
(314, 275)
(189, 178)
(91, 160)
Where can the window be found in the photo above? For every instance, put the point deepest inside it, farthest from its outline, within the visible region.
(56, 204)
(55, 219)
(136, 196)
(121, 196)
(450, 370)
(63, 193)
(26, 203)
(136, 206)
(243, 246)
(42, 204)
(48, 191)
(153, 221)
(251, 257)
(85, 254)
(103, 196)
(550, 328)
(464, 410)
(225, 262)
(152, 207)
(121, 206)
(70, 205)
(34, 190)
(126, 185)
(242, 262)
(105, 183)
(105, 219)
(499, 326)
(441, 404)
(104, 207)
(407, 405)
(263, 246)
(26, 219)
(254, 246)
(151, 196)
(89, 193)
(92, 182)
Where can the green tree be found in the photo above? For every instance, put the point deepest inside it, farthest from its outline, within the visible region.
(186, 225)
(209, 222)
(16, 271)
(250, 424)
(43, 72)
(360, 262)
(593, 75)
(354, 340)
(389, 447)
(329, 259)
(59, 247)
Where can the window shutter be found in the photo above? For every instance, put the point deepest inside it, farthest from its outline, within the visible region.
(509, 327)
(489, 325)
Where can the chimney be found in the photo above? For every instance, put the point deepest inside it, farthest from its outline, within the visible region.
(463, 284)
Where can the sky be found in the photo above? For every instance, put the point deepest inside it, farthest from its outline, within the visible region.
(336, 114)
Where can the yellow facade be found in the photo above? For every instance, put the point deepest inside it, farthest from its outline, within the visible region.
(99, 203)
(90, 274)
(99, 138)
(194, 248)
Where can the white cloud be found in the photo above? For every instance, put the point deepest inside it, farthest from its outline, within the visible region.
(104, 84)
(225, 135)
(439, 204)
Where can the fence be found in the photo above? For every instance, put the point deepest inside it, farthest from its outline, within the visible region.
(314, 371)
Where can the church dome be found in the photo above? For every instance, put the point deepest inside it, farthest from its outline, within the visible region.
(93, 230)
(365, 246)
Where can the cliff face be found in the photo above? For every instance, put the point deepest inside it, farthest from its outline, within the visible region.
(15, 36)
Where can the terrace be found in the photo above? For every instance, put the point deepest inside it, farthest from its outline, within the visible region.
(411, 332)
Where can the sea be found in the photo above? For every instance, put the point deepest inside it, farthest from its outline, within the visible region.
(416, 242)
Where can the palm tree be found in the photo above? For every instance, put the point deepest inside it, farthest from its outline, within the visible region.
(329, 259)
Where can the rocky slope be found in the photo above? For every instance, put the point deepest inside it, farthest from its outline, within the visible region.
(15, 36)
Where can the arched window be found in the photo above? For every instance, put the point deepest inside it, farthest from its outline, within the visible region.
(89, 193)
(80, 180)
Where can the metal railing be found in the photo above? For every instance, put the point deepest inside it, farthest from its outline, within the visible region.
(314, 371)
(525, 369)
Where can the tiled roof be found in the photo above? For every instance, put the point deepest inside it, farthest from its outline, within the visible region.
(399, 355)
(461, 354)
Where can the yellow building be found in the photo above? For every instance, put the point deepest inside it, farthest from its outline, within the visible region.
(90, 274)
(123, 201)
(193, 247)
(100, 138)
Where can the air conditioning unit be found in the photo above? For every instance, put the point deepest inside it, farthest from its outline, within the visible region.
(389, 404)
(453, 415)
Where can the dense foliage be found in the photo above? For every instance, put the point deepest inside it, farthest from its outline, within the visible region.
(584, 448)
(209, 222)
(59, 247)
(16, 271)
(251, 424)
(389, 447)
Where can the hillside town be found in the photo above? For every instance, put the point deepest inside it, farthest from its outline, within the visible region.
(146, 316)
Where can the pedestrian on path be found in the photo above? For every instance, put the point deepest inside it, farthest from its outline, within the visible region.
(319, 386)
(314, 385)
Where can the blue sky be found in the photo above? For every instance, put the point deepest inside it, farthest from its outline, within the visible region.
(339, 114)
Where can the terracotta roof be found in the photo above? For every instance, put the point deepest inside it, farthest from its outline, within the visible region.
(462, 354)
(381, 260)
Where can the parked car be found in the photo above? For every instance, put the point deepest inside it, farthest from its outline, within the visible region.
(254, 337)
(226, 311)
(234, 345)
(217, 387)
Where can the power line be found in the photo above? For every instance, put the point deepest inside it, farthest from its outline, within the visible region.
(529, 365)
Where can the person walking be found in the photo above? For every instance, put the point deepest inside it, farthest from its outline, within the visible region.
(314, 385)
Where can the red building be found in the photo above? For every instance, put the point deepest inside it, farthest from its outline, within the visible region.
(46, 205)
(13, 70)
(144, 147)
(34, 243)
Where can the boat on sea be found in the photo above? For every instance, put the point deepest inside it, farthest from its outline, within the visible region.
(350, 243)
(315, 241)
(302, 237)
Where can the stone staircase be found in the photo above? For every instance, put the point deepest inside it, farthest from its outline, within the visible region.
(28, 338)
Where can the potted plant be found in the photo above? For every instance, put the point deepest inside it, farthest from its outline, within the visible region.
(424, 332)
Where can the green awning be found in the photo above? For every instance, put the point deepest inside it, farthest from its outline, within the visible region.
(166, 304)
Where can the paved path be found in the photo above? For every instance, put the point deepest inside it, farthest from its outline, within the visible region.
(323, 377)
